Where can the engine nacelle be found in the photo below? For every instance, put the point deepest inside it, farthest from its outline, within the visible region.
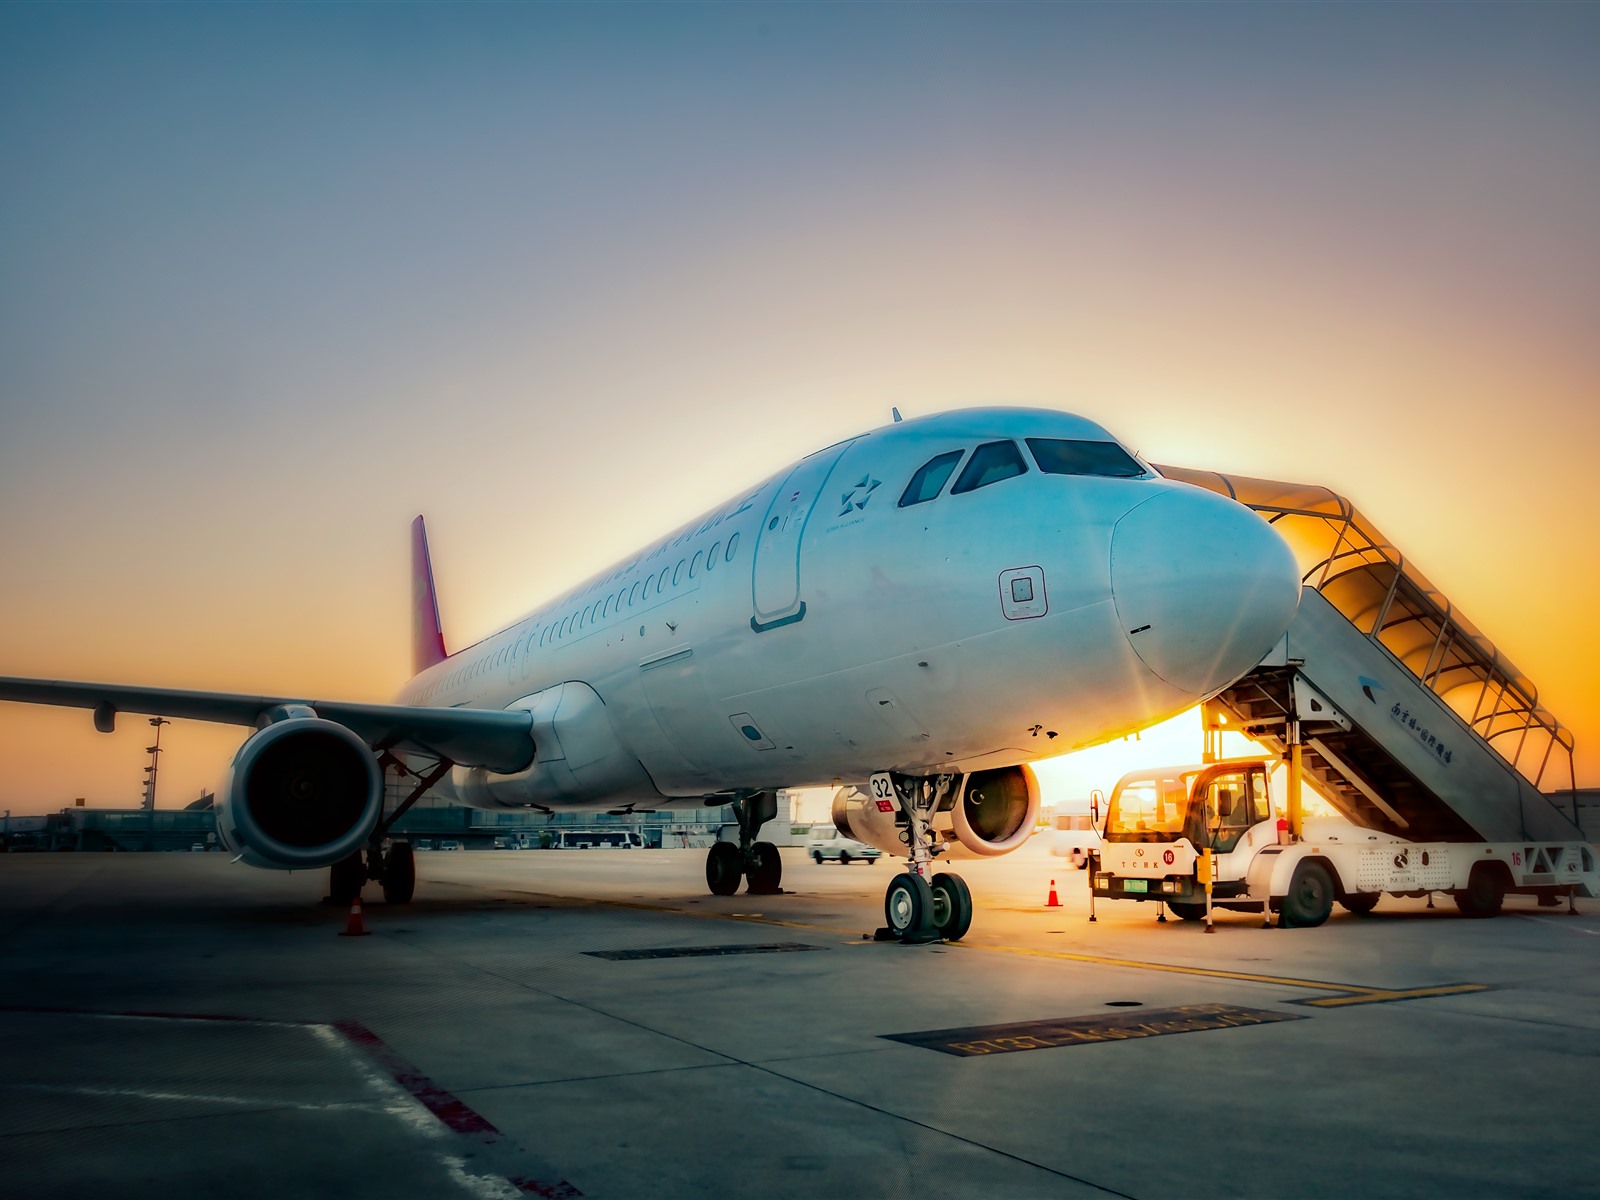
(300, 793)
(992, 813)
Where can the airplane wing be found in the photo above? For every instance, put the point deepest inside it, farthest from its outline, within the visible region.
(499, 739)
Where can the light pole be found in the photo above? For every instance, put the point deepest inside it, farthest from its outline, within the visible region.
(155, 762)
(150, 794)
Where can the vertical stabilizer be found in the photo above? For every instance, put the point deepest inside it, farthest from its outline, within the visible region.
(427, 638)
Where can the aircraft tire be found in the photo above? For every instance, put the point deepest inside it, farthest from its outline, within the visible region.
(724, 868)
(767, 878)
(345, 879)
(399, 874)
(908, 908)
(952, 906)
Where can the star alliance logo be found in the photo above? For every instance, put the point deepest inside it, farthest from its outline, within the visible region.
(856, 498)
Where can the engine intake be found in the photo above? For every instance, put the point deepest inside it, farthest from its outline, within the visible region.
(992, 813)
(300, 793)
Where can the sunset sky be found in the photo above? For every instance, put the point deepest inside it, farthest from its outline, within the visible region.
(274, 279)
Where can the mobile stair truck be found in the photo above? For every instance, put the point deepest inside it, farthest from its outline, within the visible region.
(1399, 712)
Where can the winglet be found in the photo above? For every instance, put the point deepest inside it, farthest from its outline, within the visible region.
(427, 638)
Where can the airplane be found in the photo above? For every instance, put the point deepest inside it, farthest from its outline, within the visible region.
(913, 615)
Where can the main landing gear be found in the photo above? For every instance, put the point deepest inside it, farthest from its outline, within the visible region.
(757, 862)
(917, 908)
(396, 867)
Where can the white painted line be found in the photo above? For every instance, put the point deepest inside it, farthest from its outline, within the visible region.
(410, 1112)
(187, 1097)
(1558, 922)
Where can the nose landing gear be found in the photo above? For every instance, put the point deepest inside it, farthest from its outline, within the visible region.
(917, 910)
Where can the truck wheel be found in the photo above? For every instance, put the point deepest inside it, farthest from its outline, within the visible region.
(1310, 897)
(816, 857)
(1188, 910)
(1360, 903)
(1485, 891)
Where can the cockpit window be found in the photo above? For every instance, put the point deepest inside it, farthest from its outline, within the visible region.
(930, 478)
(1058, 457)
(990, 463)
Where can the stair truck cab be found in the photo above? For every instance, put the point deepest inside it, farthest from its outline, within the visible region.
(1164, 825)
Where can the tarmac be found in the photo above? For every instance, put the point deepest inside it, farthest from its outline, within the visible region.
(594, 1023)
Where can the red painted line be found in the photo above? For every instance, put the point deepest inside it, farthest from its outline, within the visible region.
(551, 1191)
(448, 1108)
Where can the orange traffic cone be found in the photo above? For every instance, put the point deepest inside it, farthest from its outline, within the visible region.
(355, 927)
(1054, 901)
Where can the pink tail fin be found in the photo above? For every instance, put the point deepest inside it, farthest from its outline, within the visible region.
(427, 638)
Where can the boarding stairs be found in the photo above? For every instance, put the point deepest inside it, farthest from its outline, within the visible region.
(1410, 721)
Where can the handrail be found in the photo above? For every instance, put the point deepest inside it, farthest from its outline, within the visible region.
(1346, 558)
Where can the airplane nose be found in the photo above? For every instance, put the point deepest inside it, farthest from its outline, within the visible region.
(1203, 586)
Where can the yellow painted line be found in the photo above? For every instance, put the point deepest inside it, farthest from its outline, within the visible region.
(1318, 985)
(1380, 996)
(1350, 994)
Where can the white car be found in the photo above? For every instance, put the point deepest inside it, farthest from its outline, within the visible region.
(827, 842)
(1075, 837)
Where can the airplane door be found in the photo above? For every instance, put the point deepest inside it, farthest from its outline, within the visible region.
(776, 571)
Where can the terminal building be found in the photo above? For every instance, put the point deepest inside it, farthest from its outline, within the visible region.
(428, 823)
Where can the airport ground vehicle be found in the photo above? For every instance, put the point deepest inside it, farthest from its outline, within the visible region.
(1400, 713)
(826, 842)
(1164, 826)
(591, 839)
(449, 844)
(1074, 836)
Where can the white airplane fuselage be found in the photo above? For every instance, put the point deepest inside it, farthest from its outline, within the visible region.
(814, 629)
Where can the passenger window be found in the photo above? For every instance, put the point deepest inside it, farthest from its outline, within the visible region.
(930, 478)
(1057, 456)
(633, 594)
(990, 463)
(661, 581)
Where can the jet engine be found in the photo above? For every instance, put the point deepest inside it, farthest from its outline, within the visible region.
(303, 792)
(986, 814)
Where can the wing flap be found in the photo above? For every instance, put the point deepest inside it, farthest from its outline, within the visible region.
(496, 739)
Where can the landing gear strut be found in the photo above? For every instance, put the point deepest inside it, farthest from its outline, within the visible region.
(918, 909)
(757, 862)
(396, 868)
